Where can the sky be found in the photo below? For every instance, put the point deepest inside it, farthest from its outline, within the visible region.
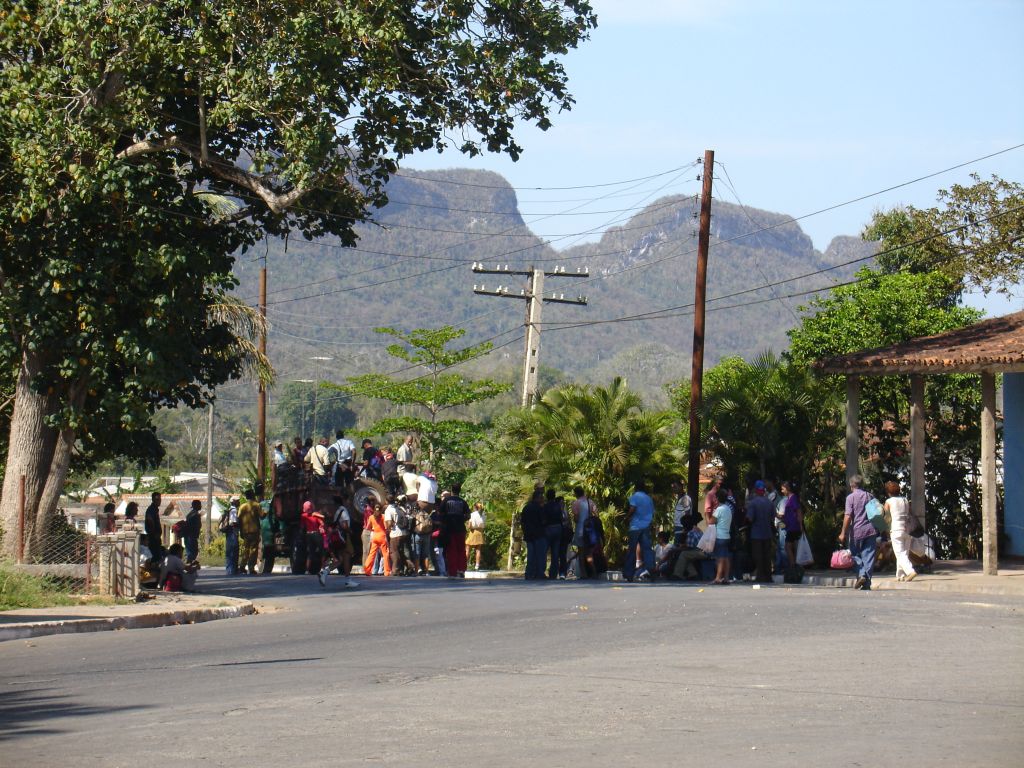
(807, 105)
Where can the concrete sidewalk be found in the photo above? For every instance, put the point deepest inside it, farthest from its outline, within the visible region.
(164, 609)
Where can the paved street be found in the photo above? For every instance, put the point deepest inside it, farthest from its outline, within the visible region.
(430, 672)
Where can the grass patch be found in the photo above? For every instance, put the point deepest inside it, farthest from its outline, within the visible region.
(25, 590)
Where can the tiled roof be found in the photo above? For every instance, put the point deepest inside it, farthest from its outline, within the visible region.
(995, 345)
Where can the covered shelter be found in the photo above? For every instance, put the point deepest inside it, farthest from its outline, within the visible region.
(989, 347)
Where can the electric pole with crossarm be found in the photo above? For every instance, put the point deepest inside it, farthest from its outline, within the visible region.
(534, 297)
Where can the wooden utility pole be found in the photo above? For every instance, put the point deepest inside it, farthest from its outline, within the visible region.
(261, 406)
(534, 296)
(697, 369)
(209, 477)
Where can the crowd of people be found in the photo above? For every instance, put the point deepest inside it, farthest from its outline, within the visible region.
(416, 531)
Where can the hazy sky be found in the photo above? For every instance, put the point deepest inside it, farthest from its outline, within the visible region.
(806, 104)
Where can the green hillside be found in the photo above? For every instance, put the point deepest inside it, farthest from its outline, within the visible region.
(412, 268)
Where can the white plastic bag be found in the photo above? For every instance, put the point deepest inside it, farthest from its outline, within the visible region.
(707, 540)
(804, 555)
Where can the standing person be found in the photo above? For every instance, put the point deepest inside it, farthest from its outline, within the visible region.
(318, 459)
(154, 531)
(131, 516)
(389, 472)
(761, 514)
(552, 532)
(640, 516)
(711, 497)
(721, 518)
(405, 455)
(423, 532)
(367, 530)
(565, 541)
(344, 452)
(582, 508)
(397, 523)
(109, 523)
(793, 519)
(454, 514)
(229, 526)
(298, 452)
(903, 522)
(311, 523)
(426, 490)
(863, 536)
(681, 508)
(531, 520)
(249, 532)
(193, 527)
(475, 539)
(268, 534)
(378, 542)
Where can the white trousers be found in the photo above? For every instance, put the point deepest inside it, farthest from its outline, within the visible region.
(900, 548)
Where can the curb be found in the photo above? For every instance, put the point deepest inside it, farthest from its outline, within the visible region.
(29, 630)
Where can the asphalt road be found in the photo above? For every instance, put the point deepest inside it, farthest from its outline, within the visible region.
(431, 672)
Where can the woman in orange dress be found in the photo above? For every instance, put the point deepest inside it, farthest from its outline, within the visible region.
(378, 542)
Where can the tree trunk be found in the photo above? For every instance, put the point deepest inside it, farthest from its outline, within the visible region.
(33, 452)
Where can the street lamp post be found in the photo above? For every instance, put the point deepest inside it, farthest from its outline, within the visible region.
(316, 389)
(302, 406)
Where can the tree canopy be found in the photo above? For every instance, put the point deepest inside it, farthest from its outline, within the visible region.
(124, 127)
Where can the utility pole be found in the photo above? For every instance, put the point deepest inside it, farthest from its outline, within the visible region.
(534, 296)
(209, 476)
(697, 370)
(261, 407)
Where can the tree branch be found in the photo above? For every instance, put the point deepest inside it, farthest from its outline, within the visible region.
(277, 202)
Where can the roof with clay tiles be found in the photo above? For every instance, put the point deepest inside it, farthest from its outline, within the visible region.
(995, 345)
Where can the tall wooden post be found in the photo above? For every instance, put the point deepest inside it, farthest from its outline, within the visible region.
(917, 490)
(852, 426)
(697, 365)
(261, 404)
(989, 530)
(209, 477)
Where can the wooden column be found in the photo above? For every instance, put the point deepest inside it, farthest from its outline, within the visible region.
(989, 530)
(852, 426)
(917, 491)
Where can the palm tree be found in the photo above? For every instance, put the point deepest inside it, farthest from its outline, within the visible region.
(600, 439)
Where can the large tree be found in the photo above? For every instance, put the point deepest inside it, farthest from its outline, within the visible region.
(118, 120)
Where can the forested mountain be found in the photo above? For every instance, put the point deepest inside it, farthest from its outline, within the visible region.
(412, 268)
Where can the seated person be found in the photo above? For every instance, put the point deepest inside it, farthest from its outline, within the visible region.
(149, 569)
(175, 576)
(664, 554)
(689, 555)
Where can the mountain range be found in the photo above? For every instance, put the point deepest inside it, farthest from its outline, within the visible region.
(412, 268)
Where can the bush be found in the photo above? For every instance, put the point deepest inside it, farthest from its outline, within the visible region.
(23, 590)
(214, 553)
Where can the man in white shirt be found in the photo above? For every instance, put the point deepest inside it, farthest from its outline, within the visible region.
(404, 454)
(426, 490)
(345, 451)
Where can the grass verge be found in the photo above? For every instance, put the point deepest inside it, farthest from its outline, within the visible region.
(26, 590)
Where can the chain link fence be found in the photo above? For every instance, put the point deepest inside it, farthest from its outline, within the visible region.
(62, 553)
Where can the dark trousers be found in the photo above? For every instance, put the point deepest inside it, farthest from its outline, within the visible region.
(761, 549)
(535, 553)
(553, 538)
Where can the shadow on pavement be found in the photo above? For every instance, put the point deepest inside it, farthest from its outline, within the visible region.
(37, 712)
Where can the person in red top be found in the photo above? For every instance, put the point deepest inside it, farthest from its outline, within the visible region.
(378, 542)
(312, 524)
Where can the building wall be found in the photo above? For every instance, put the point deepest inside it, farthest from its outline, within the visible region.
(1013, 460)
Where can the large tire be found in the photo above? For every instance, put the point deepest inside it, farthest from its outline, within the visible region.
(364, 488)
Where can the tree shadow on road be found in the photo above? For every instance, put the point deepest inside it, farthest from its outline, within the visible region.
(37, 712)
